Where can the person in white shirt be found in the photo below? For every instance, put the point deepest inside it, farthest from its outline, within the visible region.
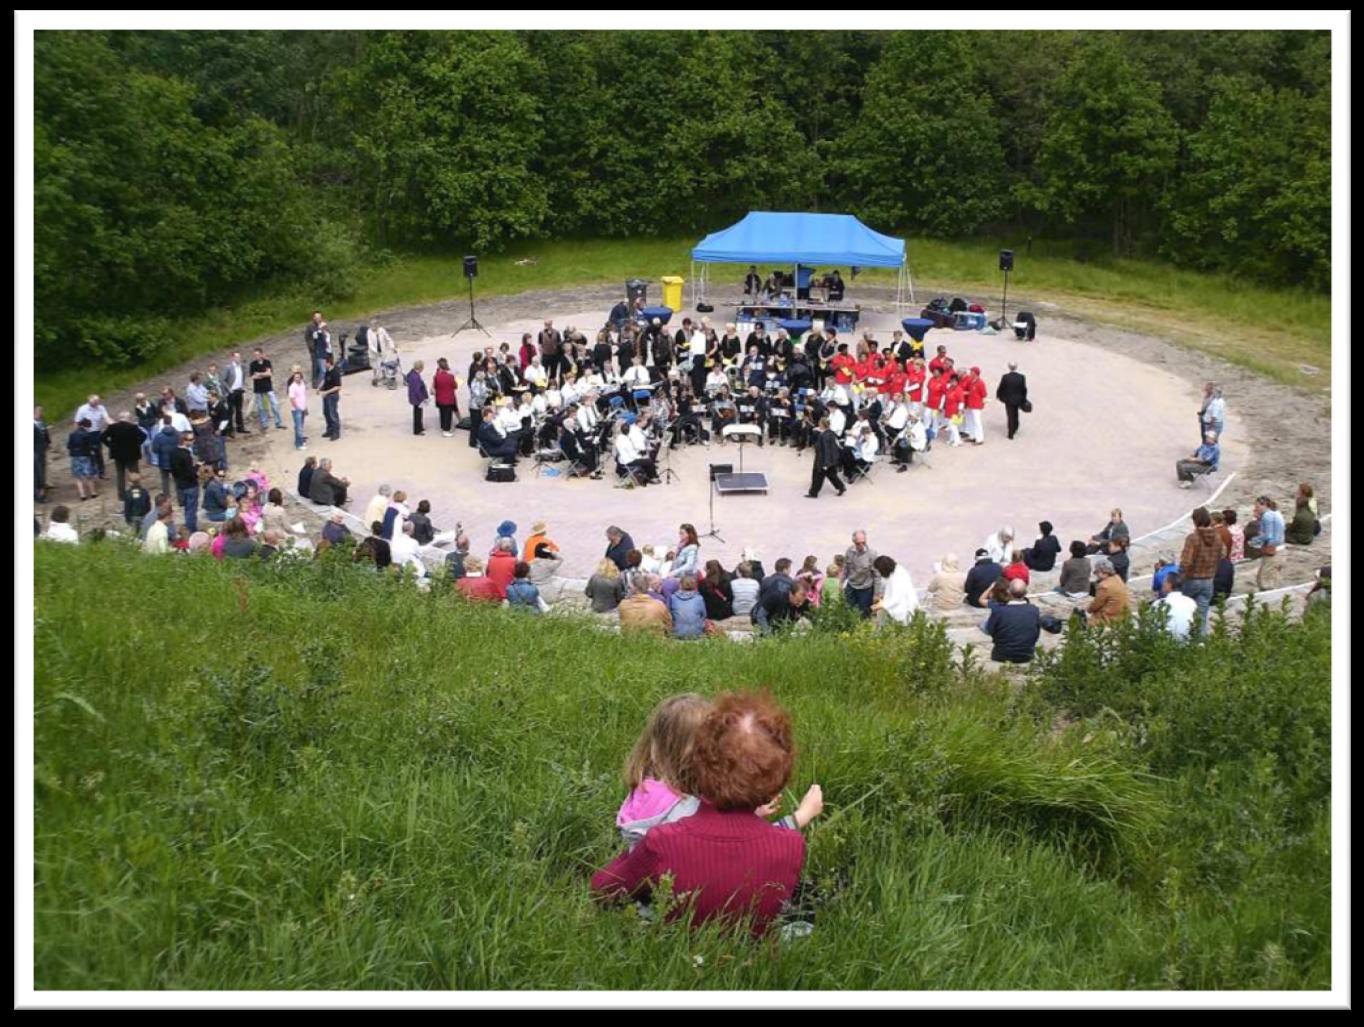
(588, 418)
(97, 414)
(508, 418)
(898, 599)
(158, 535)
(405, 550)
(535, 374)
(377, 505)
(1180, 609)
(1000, 545)
(179, 421)
(59, 528)
(838, 421)
(637, 375)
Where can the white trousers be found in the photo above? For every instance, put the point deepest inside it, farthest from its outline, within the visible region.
(975, 425)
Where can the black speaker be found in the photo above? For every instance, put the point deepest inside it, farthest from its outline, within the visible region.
(1006, 260)
(470, 267)
(718, 469)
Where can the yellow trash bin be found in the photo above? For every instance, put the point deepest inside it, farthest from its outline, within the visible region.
(672, 292)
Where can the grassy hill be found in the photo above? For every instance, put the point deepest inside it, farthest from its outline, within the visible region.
(305, 776)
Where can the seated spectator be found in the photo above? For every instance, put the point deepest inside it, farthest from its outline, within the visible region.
(1302, 529)
(239, 544)
(378, 505)
(605, 588)
(731, 864)
(1238, 536)
(473, 585)
(999, 545)
(374, 549)
(396, 514)
(326, 489)
(1112, 601)
(743, 590)
(270, 543)
(1017, 569)
(998, 594)
(948, 584)
(422, 529)
(456, 559)
(1075, 572)
(200, 542)
(1180, 610)
(502, 563)
(305, 480)
(544, 567)
(1015, 625)
(1204, 461)
(1115, 528)
(640, 611)
(1117, 556)
(59, 528)
(216, 496)
(898, 600)
(405, 551)
(716, 592)
(521, 594)
(1165, 566)
(1042, 554)
(813, 580)
(756, 571)
(1320, 594)
(538, 536)
(687, 609)
(158, 535)
(832, 589)
(780, 606)
(273, 516)
(335, 532)
(980, 577)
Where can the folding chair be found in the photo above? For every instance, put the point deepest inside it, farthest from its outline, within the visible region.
(860, 473)
(547, 455)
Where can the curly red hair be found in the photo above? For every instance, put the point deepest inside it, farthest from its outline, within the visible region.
(743, 751)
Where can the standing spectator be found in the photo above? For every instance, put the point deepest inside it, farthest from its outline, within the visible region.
(1198, 562)
(1213, 415)
(94, 411)
(455, 561)
(262, 378)
(42, 442)
(859, 574)
(1238, 536)
(186, 475)
(315, 353)
(1015, 627)
(1013, 393)
(445, 386)
(234, 381)
(1264, 544)
(148, 414)
(196, 395)
(417, 396)
(331, 399)
(83, 445)
(982, 575)
(551, 347)
(298, 407)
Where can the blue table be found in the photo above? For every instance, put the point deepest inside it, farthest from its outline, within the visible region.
(664, 314)
(917, 327)
(795, 327)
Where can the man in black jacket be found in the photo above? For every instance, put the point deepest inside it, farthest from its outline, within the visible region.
(826, 461)
(619, 544)
(1013, 393)
(981, 577)
(186, 475)
(124, 439)
(42, 442)
(1015, 627)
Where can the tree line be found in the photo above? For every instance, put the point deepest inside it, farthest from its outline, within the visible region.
(178, 169)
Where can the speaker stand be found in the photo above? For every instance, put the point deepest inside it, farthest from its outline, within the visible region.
(472, 323)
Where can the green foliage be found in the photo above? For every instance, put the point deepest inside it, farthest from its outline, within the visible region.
(324, 778)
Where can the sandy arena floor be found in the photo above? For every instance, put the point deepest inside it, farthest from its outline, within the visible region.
(1105, 430)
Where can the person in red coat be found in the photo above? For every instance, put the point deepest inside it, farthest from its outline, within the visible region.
(477, 586)
(725, 861)
(942, 360)
(502, 565)
(952, 402)
(843, 365)
(444, 387)
(915, 377)
(527, 351)
(937, 389)
(975, 404)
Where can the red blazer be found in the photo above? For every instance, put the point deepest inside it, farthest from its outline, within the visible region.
(1015, 570)
(443, 388)
(915, 379)
(481, 587)
(936, 363)
(975, 394)
(895, 383)
(953, 400)
(936, 388)
(501, 570)
(731, 864)
(843, 366)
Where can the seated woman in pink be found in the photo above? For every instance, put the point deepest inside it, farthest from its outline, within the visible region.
(725, 860)
(249, 506)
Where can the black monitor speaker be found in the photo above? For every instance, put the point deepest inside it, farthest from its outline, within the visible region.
(718, 469)
(470, 267)
(1006, 260)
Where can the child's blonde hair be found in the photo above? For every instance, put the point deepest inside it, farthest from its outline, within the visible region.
(663, 751)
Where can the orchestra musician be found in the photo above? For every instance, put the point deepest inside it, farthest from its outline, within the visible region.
(626, 348)
(602, 350)
(723, 413)
(780, 417)
(730, 347)
(753, 283)
(758, 337)
(754, 369)
(752, 407)
(661, 348)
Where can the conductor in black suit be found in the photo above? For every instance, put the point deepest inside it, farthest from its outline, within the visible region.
(1013, 393)
(827, 458)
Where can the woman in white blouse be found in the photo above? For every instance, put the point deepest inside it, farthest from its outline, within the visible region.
(898, 599)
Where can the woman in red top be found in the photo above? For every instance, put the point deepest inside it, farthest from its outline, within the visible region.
(443, 387)
(975, 403)
(952, 402)
(527, 351)
(1016, 569)
(725, 859)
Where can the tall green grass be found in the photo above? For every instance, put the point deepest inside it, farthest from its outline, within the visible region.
(309, 777)
(1271, 331)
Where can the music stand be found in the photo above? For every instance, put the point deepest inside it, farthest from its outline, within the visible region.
(742, 434)
(713, 470)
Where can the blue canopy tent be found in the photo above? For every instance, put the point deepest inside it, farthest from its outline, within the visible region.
(796, 239)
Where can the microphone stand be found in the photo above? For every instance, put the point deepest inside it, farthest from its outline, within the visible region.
(712, 533)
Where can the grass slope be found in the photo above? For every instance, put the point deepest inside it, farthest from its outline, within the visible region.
(309, 777)
(1270, 331)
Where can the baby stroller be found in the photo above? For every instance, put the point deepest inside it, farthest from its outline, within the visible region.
(388, 369)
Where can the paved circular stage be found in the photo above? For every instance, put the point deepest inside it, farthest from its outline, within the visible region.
(1105, 431)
